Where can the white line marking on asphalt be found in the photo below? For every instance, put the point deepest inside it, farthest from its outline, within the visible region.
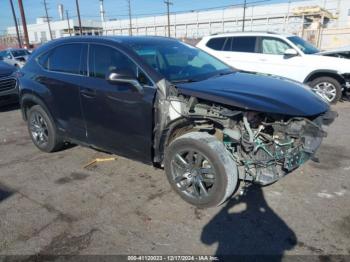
(340, 193)
(325, 195)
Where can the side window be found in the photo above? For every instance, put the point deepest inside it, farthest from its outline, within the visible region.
(273, 46)
(152, 57)
(43, 60)
(228, 44)
(65, 58)
(216, 43)
(244, 44)
(103, 59)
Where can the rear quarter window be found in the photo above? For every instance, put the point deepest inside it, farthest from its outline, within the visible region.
(216, 43)
(65, 58)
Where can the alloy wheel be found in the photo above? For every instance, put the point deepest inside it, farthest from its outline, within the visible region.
(193, 174)
(39, 129)
(326, 90)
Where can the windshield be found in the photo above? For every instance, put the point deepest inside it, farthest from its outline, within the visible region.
(17, 53)
(303, 45)
(179, 62)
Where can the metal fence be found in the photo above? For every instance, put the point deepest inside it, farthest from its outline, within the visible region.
(323, 38)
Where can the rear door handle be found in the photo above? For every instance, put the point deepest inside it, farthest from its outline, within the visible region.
(88, 92)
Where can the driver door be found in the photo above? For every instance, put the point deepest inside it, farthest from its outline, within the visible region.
(119, 118)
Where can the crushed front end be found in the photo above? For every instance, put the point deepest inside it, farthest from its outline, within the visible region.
(267, 147)
(264, 146)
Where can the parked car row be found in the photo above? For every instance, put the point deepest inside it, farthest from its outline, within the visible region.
(163, 102)
(8, 84)
(287, 56)
(11, 60)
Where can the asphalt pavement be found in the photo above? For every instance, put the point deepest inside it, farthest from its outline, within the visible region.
(51, 204)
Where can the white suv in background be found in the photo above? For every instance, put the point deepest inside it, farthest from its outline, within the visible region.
(283, 55)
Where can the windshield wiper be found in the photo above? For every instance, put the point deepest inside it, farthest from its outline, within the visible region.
(184, 81)
(224, 73)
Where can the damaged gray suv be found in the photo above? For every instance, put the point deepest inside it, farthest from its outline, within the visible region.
(162, 102)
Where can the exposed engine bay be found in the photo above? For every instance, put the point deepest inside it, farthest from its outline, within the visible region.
(264, 146)
(266, 149)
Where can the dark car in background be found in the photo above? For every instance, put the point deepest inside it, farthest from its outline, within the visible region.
(8, 84)
(343, 52)
(163, 102)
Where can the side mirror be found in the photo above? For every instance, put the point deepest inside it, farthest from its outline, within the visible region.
(124, 76)
(290, 52)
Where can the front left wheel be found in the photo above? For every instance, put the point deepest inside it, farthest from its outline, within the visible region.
(200, 169)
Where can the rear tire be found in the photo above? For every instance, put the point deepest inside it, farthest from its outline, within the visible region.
(327, 87)
(200, 169)
(42, 130)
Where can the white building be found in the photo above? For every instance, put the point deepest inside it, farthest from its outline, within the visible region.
(267, 17)
(328, 27)
(39, 32)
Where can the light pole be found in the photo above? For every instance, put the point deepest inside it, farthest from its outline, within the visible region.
(130, 21)
(168, 3)
(243, 21)
(16, 25)
(24, 24)
(78, 12)
(70, 34)
(48, 19)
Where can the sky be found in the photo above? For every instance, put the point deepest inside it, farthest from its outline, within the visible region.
(115, 9)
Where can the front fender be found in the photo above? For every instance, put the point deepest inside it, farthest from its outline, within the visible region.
(325, 72)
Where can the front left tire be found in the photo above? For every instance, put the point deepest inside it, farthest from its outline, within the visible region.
(200, 169)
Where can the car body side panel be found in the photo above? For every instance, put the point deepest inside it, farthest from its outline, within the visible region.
(118, 117)
(292, 68)
(60, 93)
(120, 110)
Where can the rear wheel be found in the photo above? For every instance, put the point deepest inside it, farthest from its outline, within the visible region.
(200, 169)
(328, 88)
(42, 130)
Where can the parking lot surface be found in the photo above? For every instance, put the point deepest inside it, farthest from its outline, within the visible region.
(51, 204)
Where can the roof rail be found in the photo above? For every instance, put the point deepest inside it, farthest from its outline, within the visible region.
(232, 32)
